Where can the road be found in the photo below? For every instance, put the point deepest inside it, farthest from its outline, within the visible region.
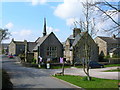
(24, 77)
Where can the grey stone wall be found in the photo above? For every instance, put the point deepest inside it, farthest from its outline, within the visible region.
(79, 49)
(20, 49)
(51, 41)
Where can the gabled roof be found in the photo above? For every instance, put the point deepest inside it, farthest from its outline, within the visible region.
(17, 42)
(110, 39)
(71, 37)
(78, 37)
(40, 41)
(31, 46)
(117, 50)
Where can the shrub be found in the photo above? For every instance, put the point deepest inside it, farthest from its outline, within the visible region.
(34, 61)
(116, 56)
(106, 57)
(22, 56)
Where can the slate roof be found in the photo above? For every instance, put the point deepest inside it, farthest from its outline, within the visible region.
(40, 41)
(71, 37)
(78, 37)
(117, 50)
(110, 39)
(31, 46)
(18, 42)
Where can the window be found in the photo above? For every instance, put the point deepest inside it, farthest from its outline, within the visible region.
(52, 52)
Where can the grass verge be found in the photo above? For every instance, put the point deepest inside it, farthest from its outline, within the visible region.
(94, 83)
(113, 70)
(112, 65)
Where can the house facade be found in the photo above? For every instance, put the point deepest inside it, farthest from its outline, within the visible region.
(83, 42)
(107, 44)
(16, 47)
(29, 55)
(48, 47)
(68, 48)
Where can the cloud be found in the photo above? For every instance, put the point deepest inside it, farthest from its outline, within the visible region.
(9, 25)
(70, 21)
(37, 2)
(22, 34)
(51, 29)
(25, 32)
(68, 9)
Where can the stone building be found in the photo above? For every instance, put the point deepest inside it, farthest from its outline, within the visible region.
(106, 44)
(29, 55)
(16, 47)
(68, 49)
(79, 45)
(48, 46)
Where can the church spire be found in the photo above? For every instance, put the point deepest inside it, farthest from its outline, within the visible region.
(44, 30)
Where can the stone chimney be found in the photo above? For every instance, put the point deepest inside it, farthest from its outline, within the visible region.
(76, 31)
(12, 39)
(113, 36)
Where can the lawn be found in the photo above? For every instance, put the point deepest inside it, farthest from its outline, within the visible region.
(112, 65)
(95, 83)
(59, 67)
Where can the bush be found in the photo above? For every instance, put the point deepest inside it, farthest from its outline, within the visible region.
(34, 61)
(107, 57)
(22, 56)
(115, 56)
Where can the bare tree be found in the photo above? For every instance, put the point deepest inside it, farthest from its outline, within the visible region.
(87, 25)
(109, 10)
(4, 34)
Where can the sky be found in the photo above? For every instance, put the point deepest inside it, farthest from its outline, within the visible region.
(24, 19)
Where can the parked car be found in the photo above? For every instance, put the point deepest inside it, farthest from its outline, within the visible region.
(94, 64)
(10, 56)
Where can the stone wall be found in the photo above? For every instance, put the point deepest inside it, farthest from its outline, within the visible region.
(114, 61)
(30, 57)
(102, 46)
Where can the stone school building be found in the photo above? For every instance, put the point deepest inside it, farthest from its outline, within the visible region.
(48, 47)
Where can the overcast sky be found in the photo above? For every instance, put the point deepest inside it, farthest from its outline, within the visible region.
(24, 19)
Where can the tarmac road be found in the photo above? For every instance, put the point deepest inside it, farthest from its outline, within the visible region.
(24, 77)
